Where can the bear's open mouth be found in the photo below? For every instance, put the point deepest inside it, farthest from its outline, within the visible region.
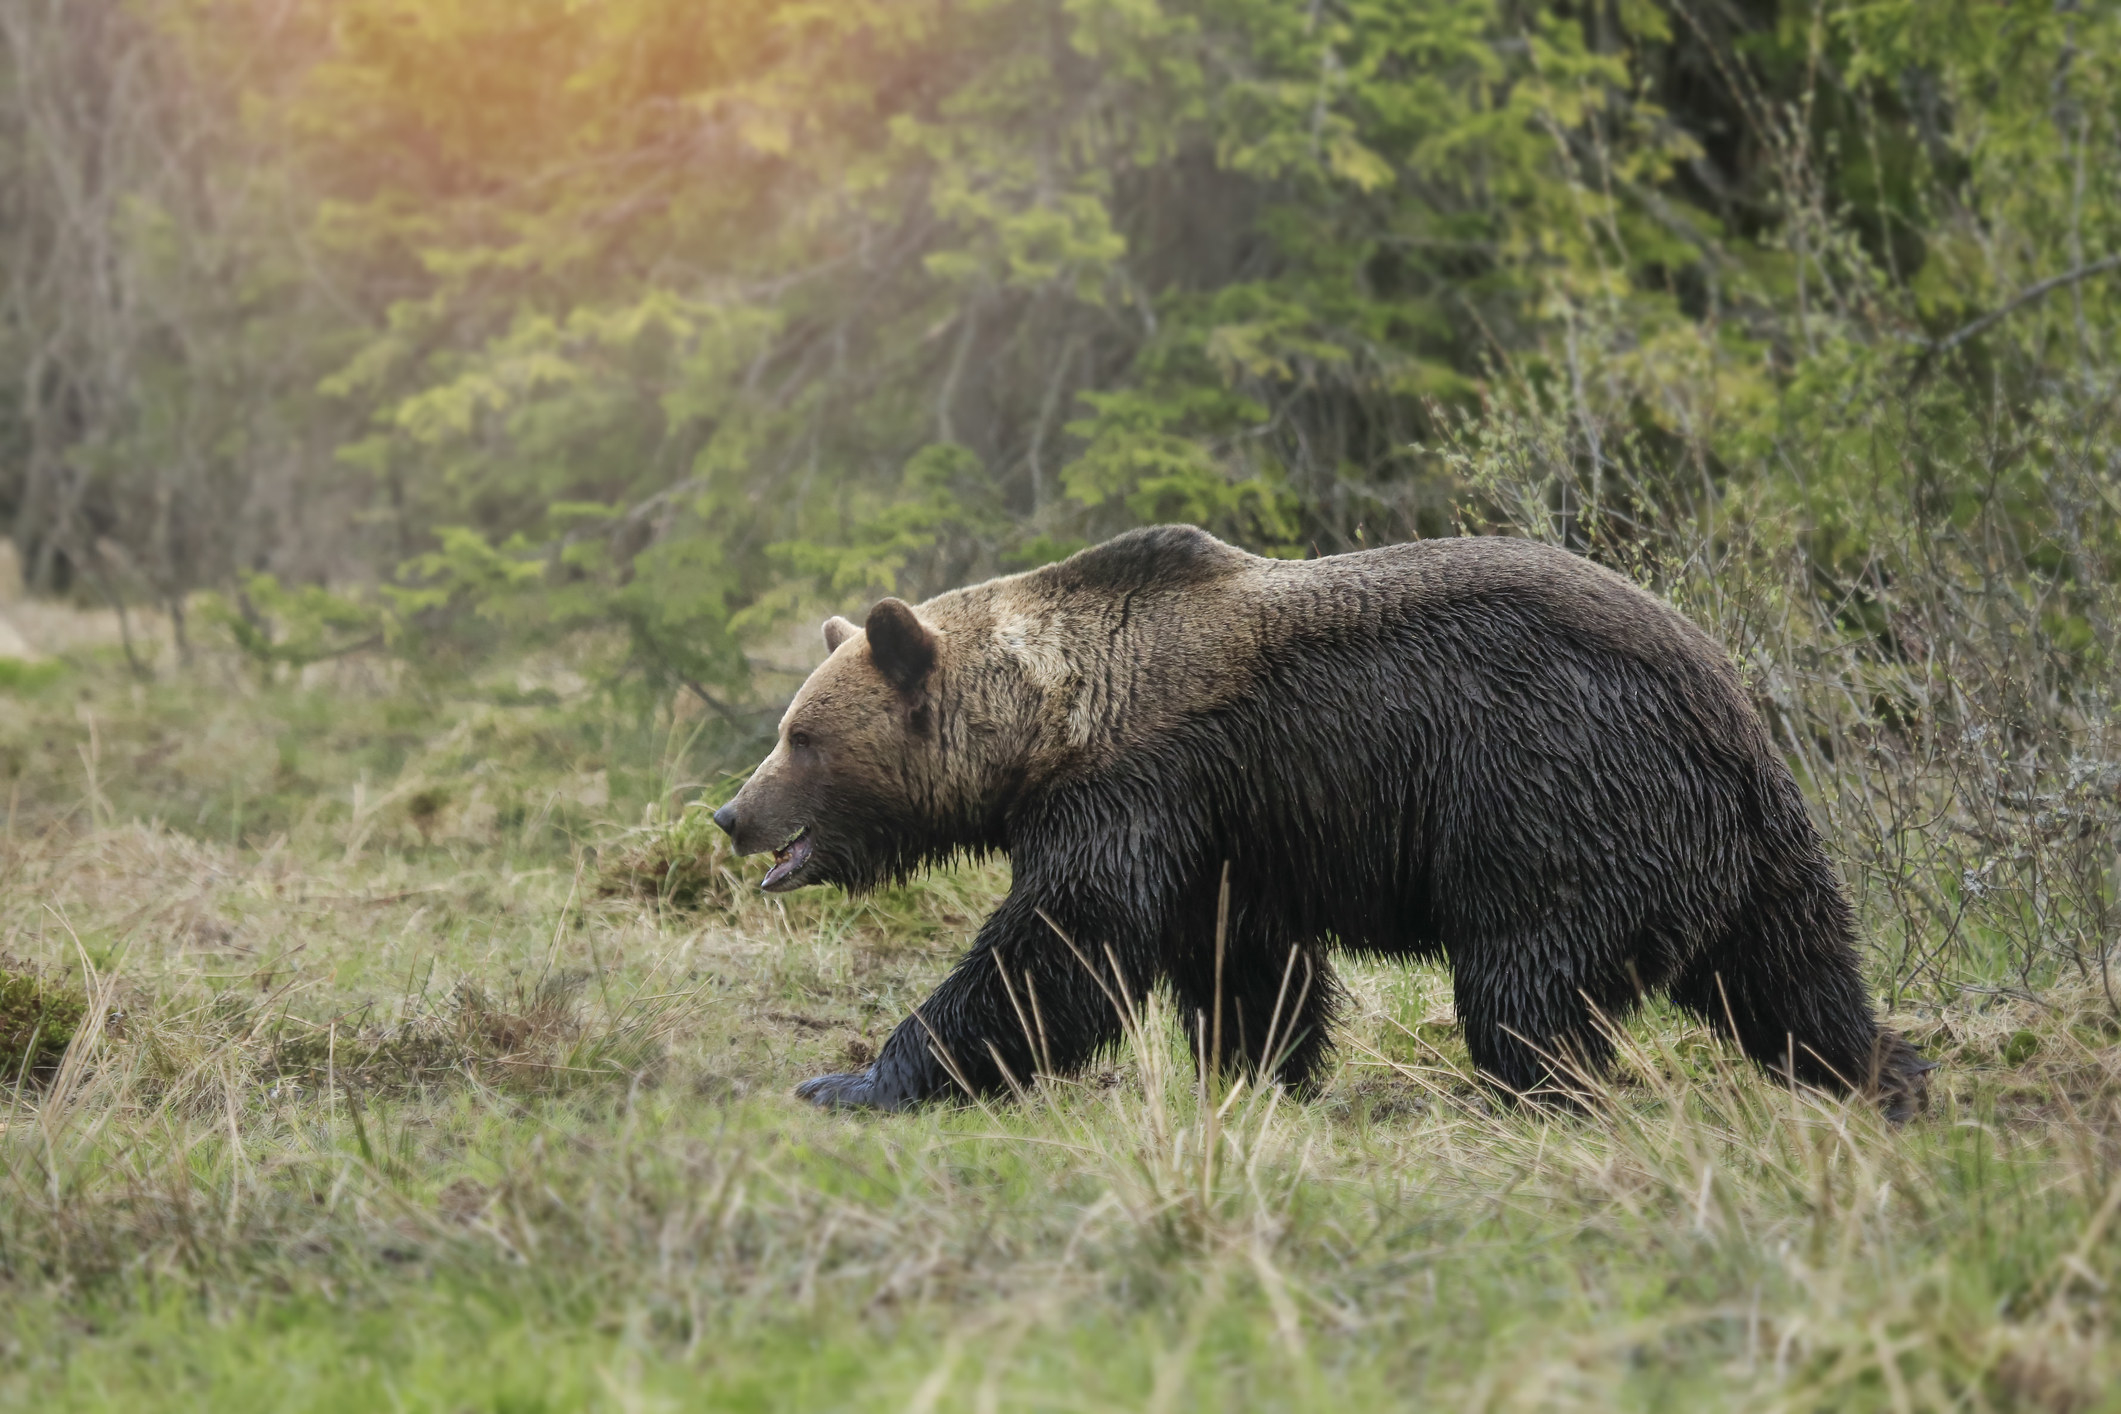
(790, 857)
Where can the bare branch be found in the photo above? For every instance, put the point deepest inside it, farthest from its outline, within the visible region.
(2024, 297)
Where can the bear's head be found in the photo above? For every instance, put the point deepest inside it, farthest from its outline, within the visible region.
(860, 787)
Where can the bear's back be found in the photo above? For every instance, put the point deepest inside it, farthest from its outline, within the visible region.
(1132, 638)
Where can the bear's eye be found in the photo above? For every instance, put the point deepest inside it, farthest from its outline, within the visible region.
(799, 740)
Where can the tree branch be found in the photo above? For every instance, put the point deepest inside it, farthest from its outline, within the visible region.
(2011, 306)
(728, 713)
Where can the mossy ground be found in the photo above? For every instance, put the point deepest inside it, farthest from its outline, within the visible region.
(396, 1089)
(37, 1023)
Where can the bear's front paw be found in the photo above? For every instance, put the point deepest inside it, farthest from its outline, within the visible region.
(857, 1091)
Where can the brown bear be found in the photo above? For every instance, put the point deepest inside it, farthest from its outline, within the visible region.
(1486, 750)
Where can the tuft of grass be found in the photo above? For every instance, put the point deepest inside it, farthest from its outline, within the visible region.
(685, 863)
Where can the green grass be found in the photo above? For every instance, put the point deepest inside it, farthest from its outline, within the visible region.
(448, 1105)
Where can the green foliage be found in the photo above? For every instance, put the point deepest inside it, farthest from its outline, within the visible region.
(36, 1024)
(943, 521)
(1226, 263)
(275, 624)
(780, 310)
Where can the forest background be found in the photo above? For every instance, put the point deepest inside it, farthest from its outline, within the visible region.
(432, 324)
(383, 368)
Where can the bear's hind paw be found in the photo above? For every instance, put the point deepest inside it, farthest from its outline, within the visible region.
(854, 1091)
(1902, 1083)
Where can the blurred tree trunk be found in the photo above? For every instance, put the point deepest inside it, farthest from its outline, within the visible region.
(76, 135)
(152, 345)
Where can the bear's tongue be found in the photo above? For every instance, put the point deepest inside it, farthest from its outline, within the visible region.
(786, 860)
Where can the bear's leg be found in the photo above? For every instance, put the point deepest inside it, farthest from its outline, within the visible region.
(1281, 997)
(1020, 1003)
(1526, 1024)
(1785, 983)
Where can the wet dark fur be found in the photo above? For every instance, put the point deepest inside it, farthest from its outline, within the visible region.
(1485, 752)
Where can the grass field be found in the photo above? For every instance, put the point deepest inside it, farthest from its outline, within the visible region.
(408, 1078)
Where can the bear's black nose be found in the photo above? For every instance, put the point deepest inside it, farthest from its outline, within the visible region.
(726, 818)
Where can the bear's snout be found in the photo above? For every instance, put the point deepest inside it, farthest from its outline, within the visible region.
(744, 827)
(792, 848)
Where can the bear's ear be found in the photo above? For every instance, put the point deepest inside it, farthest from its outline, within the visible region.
(900, 644)
(838, 631)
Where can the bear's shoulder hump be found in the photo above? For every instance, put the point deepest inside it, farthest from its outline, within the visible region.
(1159, 556)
